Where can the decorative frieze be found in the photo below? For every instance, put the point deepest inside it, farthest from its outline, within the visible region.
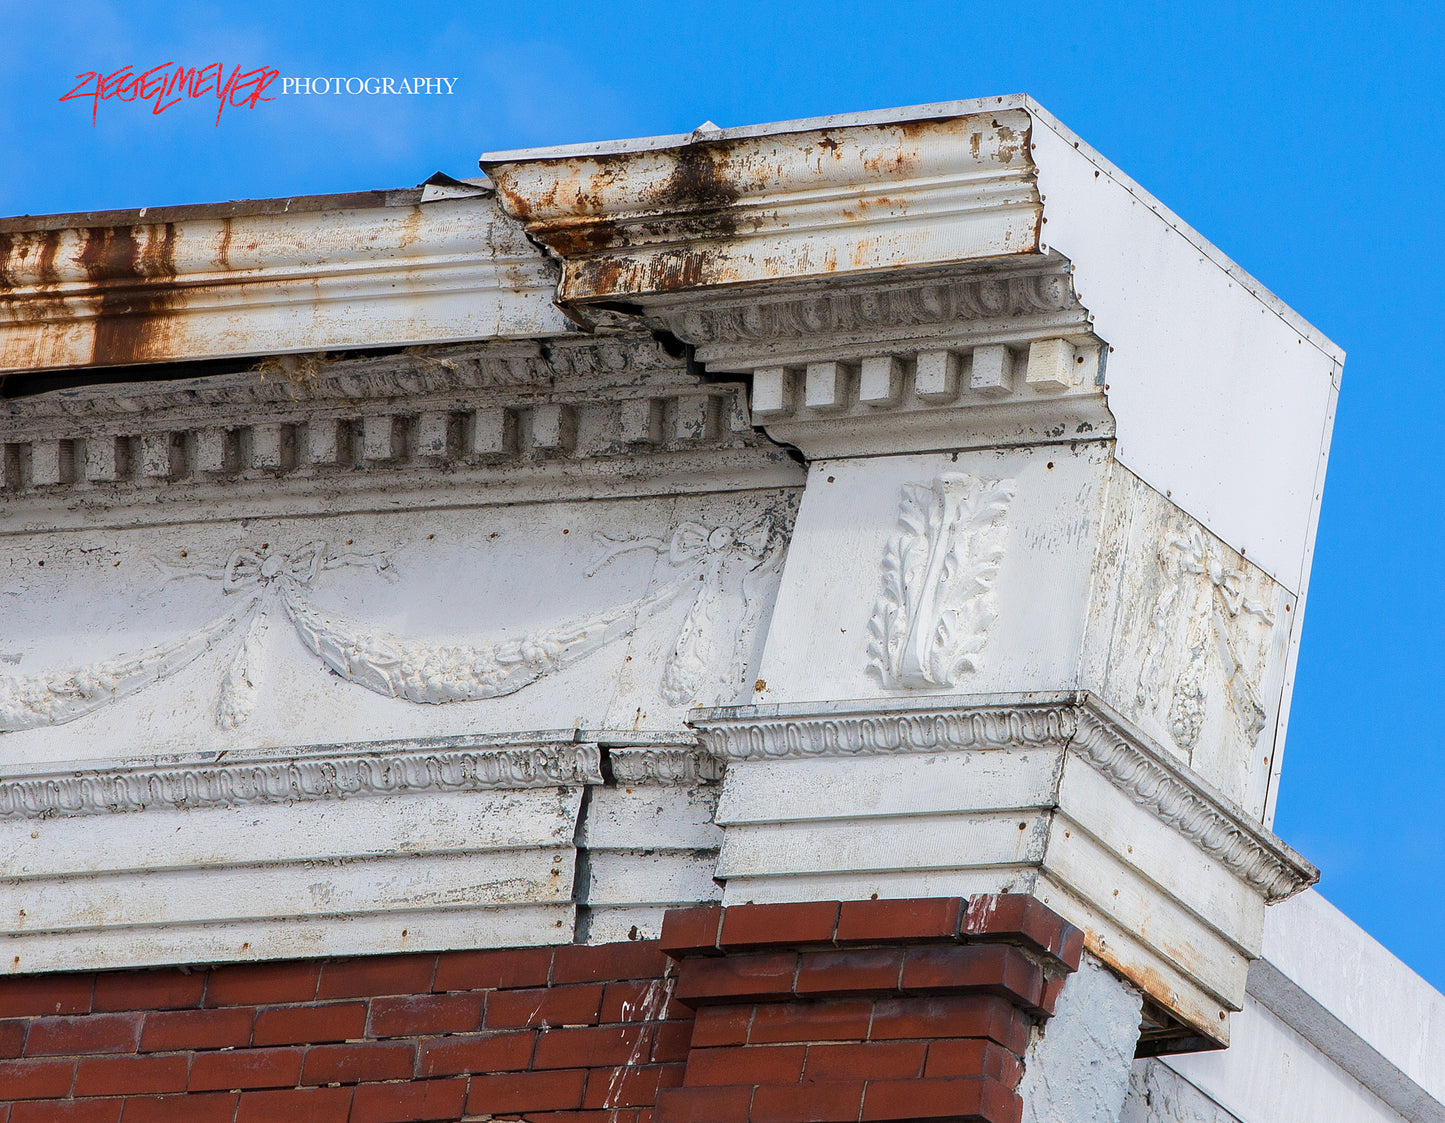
(778, 733)
(456, 764)
(705, 560)
(646, 765)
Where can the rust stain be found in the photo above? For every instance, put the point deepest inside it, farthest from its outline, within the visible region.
(130, 267)
(1160, 989)
(223, 248)
(411, 227)
(701, 188)
(49, 247)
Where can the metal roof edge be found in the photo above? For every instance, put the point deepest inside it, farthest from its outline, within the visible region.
(1218, 257)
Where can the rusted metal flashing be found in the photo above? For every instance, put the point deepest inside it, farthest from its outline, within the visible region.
(737, 211)
(274, 277)
(235, 208)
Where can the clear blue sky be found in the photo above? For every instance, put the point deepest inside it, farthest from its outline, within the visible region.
(1304, 140)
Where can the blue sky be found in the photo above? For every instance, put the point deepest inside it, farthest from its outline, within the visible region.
(1304, 140)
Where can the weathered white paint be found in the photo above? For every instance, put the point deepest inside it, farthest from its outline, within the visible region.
(1077, 1066)
(1040, 794)
(1158, 1094)
(262, 281)
(467, 582)
(1074, 575)
(1070, 468)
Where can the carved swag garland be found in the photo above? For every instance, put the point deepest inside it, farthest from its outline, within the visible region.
(270, 584)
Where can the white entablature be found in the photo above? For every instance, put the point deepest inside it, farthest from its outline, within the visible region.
(900, 421)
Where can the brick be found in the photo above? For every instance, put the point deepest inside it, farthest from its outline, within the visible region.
(630, 1086)
(838, 1020)
(393, 1103)
(211, 1107)
(549, 1006)
(416, 1014)
(723, 1025)
(67, 1111)
(171, 1030)
(495, 1052)
(747, 1064)
(672, 1041)
(788, 1103)
(373, 975)
(893, 922)
(148, 990)
(593, 1115)
(306, 1025)
(1019, 918)
(878, 1060)
(691, 931)
(703, 1105)
(528, 1092)
(12, 1037)
(351, 1064)
(809, 922)
(295, 1105)
(973, 1057)
(635, 1001)
(580, 963)
(245, 1068)
(124, 1076)
(872, 971)
(489, 970)
(593, 1048)
(997, 969)
(26, 1080)
(736, 978)
(84, 1033)
(960, 1098)
(30, 996)
(951, 1016)
(253, 984)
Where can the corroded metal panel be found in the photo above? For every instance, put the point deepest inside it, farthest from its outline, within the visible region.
(809, 204)
(199, 283)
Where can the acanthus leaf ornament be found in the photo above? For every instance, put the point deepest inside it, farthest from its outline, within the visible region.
(938, 574)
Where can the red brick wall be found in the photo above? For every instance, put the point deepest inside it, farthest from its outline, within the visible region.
(883, 1010)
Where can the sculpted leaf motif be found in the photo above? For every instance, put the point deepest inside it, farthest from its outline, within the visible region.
(938, 572)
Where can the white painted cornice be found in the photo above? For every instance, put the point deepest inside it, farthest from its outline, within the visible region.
(1079, 722)
(217, 281)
